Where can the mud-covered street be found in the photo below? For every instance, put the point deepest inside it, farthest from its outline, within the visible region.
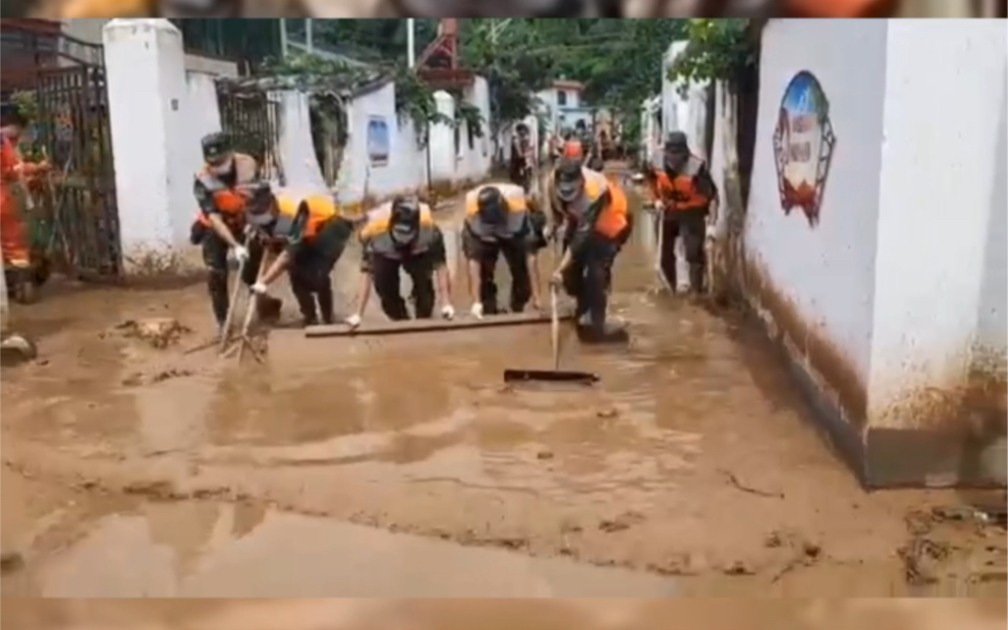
(402, 466)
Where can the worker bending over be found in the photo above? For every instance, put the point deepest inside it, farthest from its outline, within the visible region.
(498, 221)
(310, 235)
(686, 200)
(591, 214)
(401, 235)
(222, 189)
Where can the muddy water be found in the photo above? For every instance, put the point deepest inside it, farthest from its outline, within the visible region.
(693, 460)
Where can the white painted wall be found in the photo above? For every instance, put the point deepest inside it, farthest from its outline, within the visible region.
(942, 190)
(406, 166)
(827, 271)
(297, 153)
(905, 272)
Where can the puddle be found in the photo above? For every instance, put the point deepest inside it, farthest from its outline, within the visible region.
(213, 550)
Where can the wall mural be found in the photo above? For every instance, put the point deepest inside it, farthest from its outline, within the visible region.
(378, 141)
(803, 146)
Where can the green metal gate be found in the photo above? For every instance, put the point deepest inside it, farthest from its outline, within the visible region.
(72, 124)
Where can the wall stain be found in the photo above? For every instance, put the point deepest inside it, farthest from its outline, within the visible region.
(827, 365)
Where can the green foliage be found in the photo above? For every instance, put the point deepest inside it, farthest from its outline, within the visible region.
(25, 104)
(469, 115)
(504, 55)
(312, 73)
(718, 50)
(415, 100)
(619, 61)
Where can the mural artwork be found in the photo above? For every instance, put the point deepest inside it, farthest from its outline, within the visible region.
(378, 140)
(803, 146)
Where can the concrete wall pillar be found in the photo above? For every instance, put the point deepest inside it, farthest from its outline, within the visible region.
(442, 140)
(145, 66)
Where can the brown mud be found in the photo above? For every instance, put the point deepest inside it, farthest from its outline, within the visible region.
(132, 466)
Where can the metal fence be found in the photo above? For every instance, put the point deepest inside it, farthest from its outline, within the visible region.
(79, 202)
(251, 117)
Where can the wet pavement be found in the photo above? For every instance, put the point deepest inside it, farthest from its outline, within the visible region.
(692, 468)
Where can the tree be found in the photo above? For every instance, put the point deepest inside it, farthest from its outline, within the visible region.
(718, 50)
(513, 75)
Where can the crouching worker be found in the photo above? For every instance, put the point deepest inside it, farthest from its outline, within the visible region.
(401, 236)
(498, 222)
(222, 189)
(311, 236)
(592, 213)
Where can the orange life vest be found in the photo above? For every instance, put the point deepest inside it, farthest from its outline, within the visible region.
(679, 191)
(612, 221)
(229, 200)
(376, 235)
(321, 209)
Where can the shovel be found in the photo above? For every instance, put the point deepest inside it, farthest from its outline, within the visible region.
(555, 375)
(659, 248)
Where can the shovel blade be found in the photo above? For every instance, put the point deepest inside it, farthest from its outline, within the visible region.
(550, 376)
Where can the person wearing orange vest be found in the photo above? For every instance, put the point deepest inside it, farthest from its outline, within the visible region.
(14, 238)
(591, 212)
(311, 236)
(686, 199)
(401, 236)
(222, 189)
(499, 220)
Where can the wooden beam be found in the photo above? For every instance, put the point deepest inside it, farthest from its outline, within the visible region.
(432, 325)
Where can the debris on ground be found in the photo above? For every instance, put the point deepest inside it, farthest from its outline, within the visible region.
(159, 332)
(921, 559)
(10, 561)
(734, 481)
(15, 349)
(136, 379)
(625, 520)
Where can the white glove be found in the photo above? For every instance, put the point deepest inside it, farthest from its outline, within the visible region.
(448, 311)
(259, 288)
(241, 253)
(353, 321)
(477, 310)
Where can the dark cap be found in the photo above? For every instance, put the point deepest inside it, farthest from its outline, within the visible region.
(404, 222)
(492, 206)
(568, 178)
(215, 146)
(676, 141)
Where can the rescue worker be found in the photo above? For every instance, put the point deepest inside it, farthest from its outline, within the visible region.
(222, 189)
(401, 235)
(522, 156)
(686, 200)
(15, 243)
(592, 214)
(311, 235)
(499, 221)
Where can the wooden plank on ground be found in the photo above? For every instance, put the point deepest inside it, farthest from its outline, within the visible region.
(433, 325)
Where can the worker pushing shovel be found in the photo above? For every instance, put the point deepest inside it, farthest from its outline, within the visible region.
(686, 204)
